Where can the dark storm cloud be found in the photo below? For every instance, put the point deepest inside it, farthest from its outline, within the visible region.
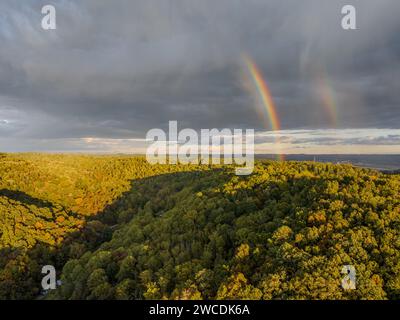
(115, 69)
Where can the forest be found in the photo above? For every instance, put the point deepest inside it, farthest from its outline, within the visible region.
(116, 227)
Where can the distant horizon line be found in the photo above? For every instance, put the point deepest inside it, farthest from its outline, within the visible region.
(144, 154)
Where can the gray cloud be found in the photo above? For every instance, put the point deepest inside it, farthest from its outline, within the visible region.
(115, 69)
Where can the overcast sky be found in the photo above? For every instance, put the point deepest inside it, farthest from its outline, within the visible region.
(115, 69)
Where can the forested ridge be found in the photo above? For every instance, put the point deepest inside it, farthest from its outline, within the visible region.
(118, 228)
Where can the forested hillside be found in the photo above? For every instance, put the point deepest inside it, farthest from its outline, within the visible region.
(118, 228)
(46, 206)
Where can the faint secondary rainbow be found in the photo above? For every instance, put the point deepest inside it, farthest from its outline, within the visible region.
(264, 94)
(326, 93)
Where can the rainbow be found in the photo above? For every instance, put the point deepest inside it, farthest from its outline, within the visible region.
(264, 94)
(326, 93)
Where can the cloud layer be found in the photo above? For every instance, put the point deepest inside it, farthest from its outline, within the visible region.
(116, 69)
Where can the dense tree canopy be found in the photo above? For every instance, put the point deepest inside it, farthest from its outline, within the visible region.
(118, 228)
